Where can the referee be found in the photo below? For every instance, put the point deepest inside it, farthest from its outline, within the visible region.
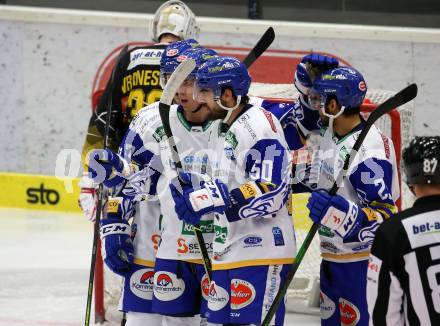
(403, 286)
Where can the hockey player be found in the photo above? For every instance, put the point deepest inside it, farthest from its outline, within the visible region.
(136, 84)
(142, 146)
(254, 238)
(404, 268)
(367, 196)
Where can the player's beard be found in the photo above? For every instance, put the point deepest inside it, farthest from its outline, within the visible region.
(216, 113)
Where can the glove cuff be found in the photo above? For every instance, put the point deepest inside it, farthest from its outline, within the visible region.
(111, 226)
(86, 182)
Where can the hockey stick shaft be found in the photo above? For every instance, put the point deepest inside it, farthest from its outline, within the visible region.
(262, 45)
(176, 79)
(99, 208)
(402, 97)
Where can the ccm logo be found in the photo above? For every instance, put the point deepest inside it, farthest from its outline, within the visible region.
(202, 197)
(42, 195)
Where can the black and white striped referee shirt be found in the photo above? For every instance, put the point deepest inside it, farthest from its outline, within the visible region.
(403, 286)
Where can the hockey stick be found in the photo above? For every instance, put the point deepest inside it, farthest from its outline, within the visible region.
(404, 96)
(263, 43)
(176, 79)
(100, 196)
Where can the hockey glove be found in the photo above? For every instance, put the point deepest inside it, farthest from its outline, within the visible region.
(117, 248)
(335, 212)
(194, 202)
(309, 67)
(87, 197)
(107, 167)
(121, 208)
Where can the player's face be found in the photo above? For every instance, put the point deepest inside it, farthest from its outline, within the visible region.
(185, 95)
(206, 97)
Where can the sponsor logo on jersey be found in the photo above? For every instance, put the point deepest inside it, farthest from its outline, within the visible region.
(386, 145)
(242, 293)
(205, 227)
(361, 247)
(182, 247)
(218, 297)
(159, 133)
(231, 139)
(325, 231)
(270, 119)
(350, 314)
(167, 286)
(253, 241)
(327, 306)
(142, 282)
(248, 190)
(190, 248)
(219, 254)
(145, 57)
(42, 195)
(221, 234)
(205, 286)
(246, 125)
(329, 246)
(155, 239)
(278, 236)
(426, 228)
(272, 288)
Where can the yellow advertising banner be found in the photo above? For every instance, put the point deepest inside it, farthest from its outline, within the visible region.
(39, 192)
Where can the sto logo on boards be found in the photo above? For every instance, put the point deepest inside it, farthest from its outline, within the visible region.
(42, 195)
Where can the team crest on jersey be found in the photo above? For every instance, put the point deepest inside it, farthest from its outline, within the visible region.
(242, 293)
(327, 306)
(167, 286)
(218, 297)
(141, 283)
(367, 234)
(350, 314)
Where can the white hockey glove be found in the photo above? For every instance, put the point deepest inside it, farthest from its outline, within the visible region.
(87, 198)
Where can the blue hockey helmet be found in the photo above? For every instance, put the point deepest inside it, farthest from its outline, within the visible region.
(169, 60)
(221, 72)
(200, 56)
(346, 84)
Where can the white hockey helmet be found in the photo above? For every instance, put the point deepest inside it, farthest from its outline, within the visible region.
(174, 17)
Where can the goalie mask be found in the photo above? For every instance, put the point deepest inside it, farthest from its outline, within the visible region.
(420, 161)
(174, 17)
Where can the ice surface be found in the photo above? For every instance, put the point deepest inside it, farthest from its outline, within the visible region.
(44, 269)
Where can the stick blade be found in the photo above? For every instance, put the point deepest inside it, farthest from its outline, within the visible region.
(262, 45)
(176, 79)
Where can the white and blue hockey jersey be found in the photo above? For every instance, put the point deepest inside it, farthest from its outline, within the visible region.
(255, 164)
(372, 182)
